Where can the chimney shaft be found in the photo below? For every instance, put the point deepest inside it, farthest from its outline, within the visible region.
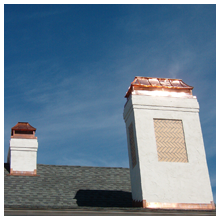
(165, 146)
(22, 154)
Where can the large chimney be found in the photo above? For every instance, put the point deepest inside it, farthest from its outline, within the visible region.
(22, 154)
(167, 158)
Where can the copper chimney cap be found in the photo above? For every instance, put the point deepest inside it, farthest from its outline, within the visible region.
(155, 84)
(23, 130)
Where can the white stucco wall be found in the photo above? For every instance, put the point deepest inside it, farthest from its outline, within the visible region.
(169, 182)
(23, 154)
(134, 172)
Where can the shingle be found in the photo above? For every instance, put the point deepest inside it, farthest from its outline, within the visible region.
(69, 186)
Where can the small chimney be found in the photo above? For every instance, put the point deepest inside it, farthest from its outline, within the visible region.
(22, 153)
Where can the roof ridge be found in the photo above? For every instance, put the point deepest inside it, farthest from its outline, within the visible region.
(81, 166)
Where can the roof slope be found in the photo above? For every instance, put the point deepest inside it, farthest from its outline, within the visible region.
(68, 187)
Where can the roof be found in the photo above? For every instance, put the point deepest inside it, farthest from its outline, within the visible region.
(25, 126)
(152, 84)
(68, 187)
(76, 190)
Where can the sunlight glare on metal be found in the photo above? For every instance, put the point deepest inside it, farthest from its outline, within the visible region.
(163, 93)
(159, 87)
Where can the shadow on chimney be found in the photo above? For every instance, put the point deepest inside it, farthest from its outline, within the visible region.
(103, 198)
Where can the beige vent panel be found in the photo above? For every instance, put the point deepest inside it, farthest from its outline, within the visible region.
(170, 140)
(132, 145)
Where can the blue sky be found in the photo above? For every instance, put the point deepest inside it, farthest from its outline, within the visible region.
(68, 67)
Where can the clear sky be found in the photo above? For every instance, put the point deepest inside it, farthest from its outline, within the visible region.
(68, 67)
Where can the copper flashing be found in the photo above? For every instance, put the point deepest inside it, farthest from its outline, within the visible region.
(184, 206)
(23, 173)
(177, 206)
(157, 84)
(23, 130)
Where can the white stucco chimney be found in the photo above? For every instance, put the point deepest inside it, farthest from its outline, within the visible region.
(167, 158)
(22, 153)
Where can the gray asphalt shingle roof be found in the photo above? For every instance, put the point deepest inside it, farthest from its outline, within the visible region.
(68, 187)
